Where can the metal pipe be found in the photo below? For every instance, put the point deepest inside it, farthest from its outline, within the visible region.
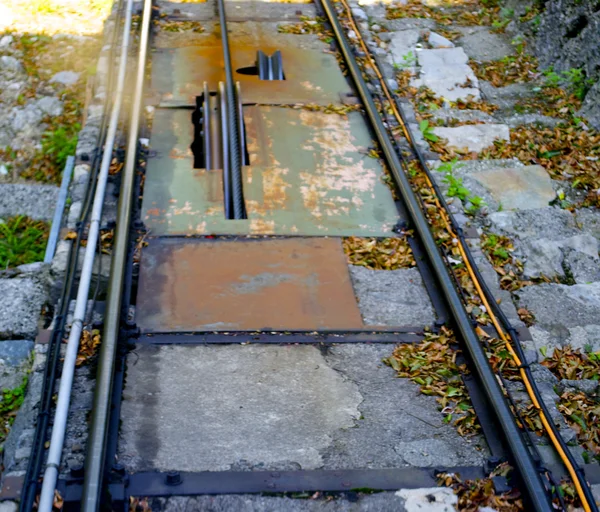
(94, 467)
(66, 380)
(235, 153)
(528, 472)
(59, 210)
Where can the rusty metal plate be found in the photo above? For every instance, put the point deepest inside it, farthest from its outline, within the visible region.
(309, 175)
(312, 76)
(227, 285)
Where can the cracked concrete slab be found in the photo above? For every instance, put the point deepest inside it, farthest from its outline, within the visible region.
(446, 72)
(263, 407)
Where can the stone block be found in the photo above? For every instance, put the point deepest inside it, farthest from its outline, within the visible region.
(392, 297)
(35, 201)
(559, 305)
(523, 188)
(550, 223)
(21, 301)
(474, 137)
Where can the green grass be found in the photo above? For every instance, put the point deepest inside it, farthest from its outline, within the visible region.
(11, 401)
(22, 240)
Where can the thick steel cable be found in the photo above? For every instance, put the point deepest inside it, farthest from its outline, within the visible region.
(522, 458)
(233, 121)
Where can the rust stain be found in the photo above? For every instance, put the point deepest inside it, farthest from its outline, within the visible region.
(311, 75)
(278, 284)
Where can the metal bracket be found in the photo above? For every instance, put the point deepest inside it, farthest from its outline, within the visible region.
(269, 68)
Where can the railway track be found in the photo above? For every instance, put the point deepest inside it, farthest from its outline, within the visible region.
(229, 286)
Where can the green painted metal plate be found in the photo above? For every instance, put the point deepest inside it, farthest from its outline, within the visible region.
(309, 175)
(312, 76)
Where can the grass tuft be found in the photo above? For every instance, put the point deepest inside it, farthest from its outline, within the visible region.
(22, 240)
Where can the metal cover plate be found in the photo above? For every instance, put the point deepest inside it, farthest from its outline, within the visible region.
(309, 175)
(227, 285)
(178, 75)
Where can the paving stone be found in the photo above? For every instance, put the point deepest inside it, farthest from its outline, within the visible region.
(550, 223)
(279, 407)
(474, 137)
(20, 303)
(523, 188)
(35, 201)
(444, 71)
(392, 297)
(436, 40)
(380, 502)
(481, 44)
(435, 499)
(403, 44)
(561, 305)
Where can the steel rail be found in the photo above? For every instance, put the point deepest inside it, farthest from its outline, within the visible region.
(499, 319)
(536, 492)
(94, 467)
(233, 121)
(68, 372)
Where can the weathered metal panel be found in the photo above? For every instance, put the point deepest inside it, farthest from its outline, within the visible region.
(312, 76)
(227, 285)
(309, 175)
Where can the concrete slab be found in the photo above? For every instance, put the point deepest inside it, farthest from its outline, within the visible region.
(35, 201)
(446, 73)
(480, 43)
(229, 285)
(524, 188)
(263, 407)
(381, 502)
(392, 297)
(562, 306)
(475, 137)
(21, 301)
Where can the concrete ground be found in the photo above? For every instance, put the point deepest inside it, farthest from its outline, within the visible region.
(280, 407)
